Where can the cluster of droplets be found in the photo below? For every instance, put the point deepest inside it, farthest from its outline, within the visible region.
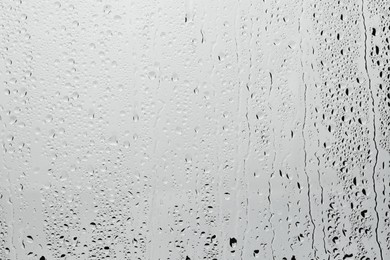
(347, 123)
(379, 53)
(62, 221)
(4, 249)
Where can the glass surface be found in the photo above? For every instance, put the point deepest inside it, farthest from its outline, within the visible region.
(195, 129)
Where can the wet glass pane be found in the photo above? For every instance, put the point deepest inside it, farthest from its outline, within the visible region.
(195, 129)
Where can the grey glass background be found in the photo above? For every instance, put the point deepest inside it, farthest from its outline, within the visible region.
(196, 129)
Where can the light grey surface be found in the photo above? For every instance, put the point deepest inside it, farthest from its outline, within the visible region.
(197, 129)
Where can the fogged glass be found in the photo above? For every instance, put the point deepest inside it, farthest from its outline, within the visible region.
(195, 129)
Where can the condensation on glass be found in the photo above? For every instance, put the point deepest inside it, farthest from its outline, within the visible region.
(195, 129)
